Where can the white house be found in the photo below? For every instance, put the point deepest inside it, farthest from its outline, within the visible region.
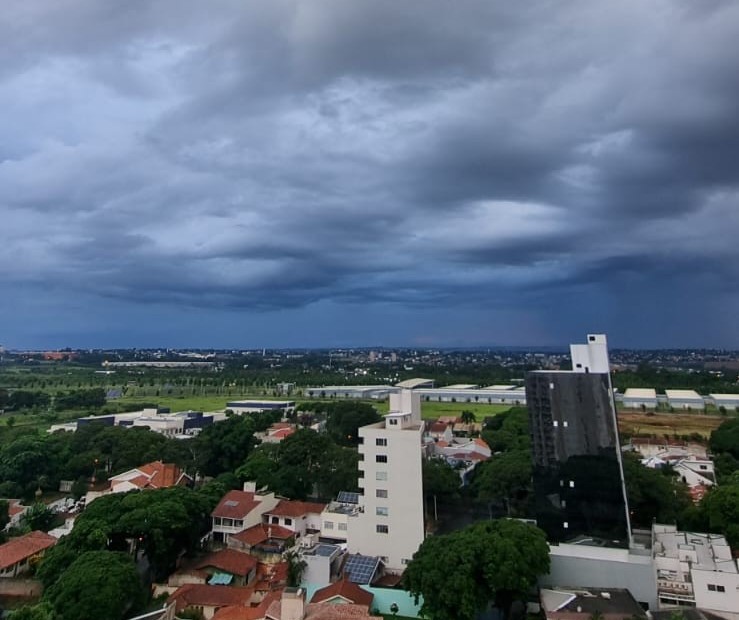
(239, 510)
(299, 517)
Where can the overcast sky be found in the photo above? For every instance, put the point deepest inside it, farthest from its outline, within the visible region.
(369, 172)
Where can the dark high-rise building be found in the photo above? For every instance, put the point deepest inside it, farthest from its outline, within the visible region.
(579, 491)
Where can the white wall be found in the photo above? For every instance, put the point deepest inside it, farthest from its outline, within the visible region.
(404, 501)
(727, 601)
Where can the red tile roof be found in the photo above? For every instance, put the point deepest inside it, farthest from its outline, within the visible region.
(192, 594)
(155, 475)
(292, 508)
(15, 507)
(229, 561)
(19, 549)
(346, 590)
(326, 611)
(261, 532)
(248, 613)
(281, 433)
(161, 474)
(235, 505)
(437, 427)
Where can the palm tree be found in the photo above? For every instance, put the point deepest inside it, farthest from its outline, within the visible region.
(467, 417)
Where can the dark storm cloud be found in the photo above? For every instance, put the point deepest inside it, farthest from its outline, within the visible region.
(281, 154)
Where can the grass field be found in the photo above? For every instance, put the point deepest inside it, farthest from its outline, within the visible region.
(668, 423)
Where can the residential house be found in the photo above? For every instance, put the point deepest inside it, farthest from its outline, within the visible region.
(343, 592)
(299, 517)
(19, 554)
(587, 603)
(265, 542)
(207, 599)
(240, 510)
(292, 606)
(277, 432)
(229, 567)
(154, 475)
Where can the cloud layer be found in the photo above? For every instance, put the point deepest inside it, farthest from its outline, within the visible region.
(574, 164)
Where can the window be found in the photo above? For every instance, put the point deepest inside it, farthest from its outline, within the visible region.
(555, 424)
(405, 561)
(342, 527)
(381, 493)
(381, 458)
(288, 521)
(382, 529)
(275, 520)
(328, 525)
(564, 423)
(381, 441)
(716, 588)
(572, 484)
(380, 475)
(565, 525)
(393, 421)
(381, 511)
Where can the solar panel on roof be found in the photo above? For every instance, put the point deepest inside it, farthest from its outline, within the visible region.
(361, 568)
(345, 497)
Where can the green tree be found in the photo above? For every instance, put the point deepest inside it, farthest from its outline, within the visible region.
(505, 477)
(721, 506)
(4, 513)
(653, 494)
(346, 417)
(98, 584)
(493, 561)
(467, 417)
(39, 517)
(40, 611)
(440, 480)
(304, 464)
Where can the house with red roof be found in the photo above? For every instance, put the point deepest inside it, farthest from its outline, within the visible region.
(240, 510)
(292, 606)
(207, 599)
(265, 542)
(298, 517)
(154, 475)
(19, 554)
(343, 592)
(277, 432)
(228, 566)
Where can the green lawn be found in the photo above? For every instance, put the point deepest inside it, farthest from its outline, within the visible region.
(481, 411)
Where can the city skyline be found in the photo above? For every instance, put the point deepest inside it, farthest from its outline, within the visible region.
(338, 174)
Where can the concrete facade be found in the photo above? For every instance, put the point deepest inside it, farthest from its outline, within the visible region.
(389, 522)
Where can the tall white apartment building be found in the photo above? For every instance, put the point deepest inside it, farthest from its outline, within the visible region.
(389, 523)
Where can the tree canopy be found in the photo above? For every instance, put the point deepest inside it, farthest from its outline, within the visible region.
(653, 494)
(505, 477)
(98, 584)
(304, 464)
(460, 574)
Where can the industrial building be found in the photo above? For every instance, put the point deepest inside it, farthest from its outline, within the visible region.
(367, 392)
(638, 398)
(685, 399)
(255, 406)
(729, 401)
